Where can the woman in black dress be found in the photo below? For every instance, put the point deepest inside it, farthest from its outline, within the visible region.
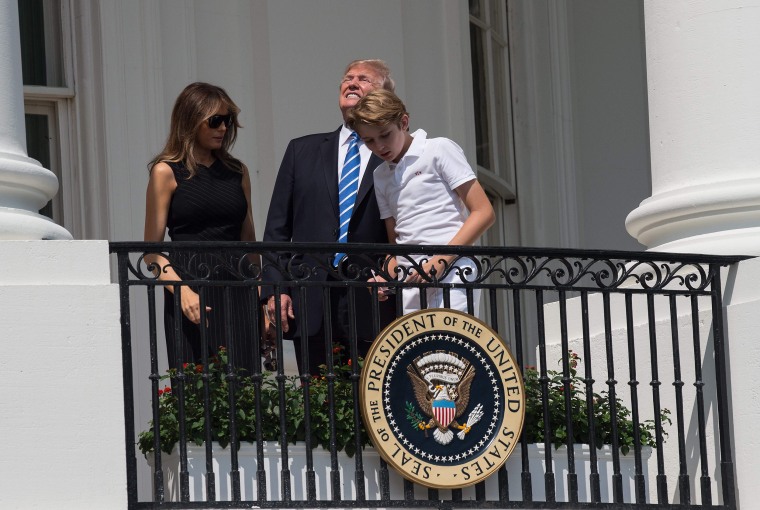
(201, 193)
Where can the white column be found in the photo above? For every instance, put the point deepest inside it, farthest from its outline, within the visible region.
(703, 74)
(25, 186)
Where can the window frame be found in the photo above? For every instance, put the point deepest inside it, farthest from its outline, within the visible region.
(57, 103)
(500, 179)
(56, 106)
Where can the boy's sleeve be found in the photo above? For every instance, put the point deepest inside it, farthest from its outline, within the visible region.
(382, 199)
(452, 163)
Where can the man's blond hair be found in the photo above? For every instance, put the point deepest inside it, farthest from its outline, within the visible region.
(378, 108)
(380, 68)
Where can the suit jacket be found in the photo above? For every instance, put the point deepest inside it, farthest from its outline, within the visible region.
(304, 208)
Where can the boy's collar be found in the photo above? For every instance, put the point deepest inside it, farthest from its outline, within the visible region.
(417, 147)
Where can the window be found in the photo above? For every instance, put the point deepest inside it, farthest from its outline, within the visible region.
(42, 143)
(46, 95)
(491, 96)
(489, 52)
(41, 42)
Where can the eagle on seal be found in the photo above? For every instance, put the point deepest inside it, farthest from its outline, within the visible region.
(443, 394)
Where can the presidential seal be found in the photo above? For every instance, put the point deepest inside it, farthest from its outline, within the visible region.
(442, 398)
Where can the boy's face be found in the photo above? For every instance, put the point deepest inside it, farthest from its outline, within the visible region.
(389, 142)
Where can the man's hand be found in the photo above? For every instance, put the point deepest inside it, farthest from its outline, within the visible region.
(286, 311)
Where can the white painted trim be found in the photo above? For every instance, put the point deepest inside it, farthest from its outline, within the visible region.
(150, 25)
(456, 23)
(564, 148)
(87, 198)
(47, 93)
(496, 183)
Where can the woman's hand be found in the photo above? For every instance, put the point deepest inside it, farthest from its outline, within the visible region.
(191, 305)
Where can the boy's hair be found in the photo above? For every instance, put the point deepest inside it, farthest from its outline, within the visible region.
(378, 108)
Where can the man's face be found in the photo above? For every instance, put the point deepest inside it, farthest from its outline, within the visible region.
(358, 81)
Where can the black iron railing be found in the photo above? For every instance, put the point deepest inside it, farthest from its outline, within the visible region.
(638, 339)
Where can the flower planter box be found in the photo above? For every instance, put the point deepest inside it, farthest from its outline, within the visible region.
(297, 464)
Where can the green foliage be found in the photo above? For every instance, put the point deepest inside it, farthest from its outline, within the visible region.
(602, 413)
(293, 417)
(245, 403)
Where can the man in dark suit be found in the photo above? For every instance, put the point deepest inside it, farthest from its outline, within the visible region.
(305, 208)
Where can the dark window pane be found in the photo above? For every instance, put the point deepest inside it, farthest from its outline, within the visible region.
(480, 97)
(476, 8)
(32, 25)
(41, 57)
(500, 105)
(38, 146)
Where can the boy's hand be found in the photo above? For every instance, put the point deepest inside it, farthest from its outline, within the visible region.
(382, 292)
(439, 264)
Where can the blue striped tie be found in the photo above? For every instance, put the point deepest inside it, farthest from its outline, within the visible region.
(347, 189)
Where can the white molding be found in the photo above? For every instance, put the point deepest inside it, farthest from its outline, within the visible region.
(151, 21)
(564, 147)
(88, 190)
(530, 144)
(458, 90)
(717, 217)
(36, 92)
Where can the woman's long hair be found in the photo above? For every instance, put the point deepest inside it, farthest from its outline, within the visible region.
(195, 104)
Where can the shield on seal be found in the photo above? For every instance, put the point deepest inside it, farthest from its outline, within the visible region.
(443, 411)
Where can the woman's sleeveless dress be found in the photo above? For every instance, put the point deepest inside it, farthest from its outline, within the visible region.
(210, 206)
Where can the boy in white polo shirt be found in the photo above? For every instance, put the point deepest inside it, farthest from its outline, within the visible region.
(426, 191)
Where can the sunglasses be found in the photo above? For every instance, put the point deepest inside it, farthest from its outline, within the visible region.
(217, 120)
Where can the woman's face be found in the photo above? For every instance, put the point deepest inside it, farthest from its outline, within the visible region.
(211, 138)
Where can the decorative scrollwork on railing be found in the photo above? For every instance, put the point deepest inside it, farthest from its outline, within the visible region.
(496, 267)
(189, 265)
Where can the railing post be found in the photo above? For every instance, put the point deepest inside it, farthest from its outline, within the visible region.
(726, 451)
(126, 359)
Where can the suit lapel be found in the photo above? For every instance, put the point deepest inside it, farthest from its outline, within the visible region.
(368, 179)
(329, 164)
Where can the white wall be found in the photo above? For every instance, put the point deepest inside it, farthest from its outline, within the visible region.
(61, 406)
(580, 120)
(279, 60)
(610, 119)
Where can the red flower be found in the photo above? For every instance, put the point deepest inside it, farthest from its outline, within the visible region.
(185, 365)
(199, 368)
(337, 349)
(349, 362)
